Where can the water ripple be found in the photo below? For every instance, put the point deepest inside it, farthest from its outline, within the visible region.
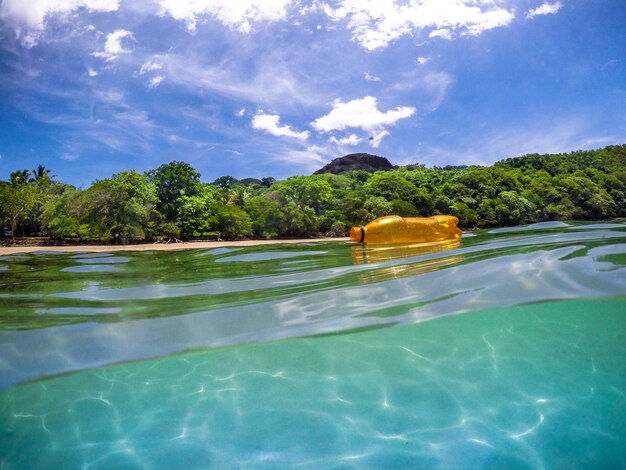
(94, 309)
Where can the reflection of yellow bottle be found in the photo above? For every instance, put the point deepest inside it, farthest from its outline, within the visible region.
(386, 252)
(396, 229)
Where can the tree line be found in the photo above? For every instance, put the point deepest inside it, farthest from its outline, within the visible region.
(171, 202)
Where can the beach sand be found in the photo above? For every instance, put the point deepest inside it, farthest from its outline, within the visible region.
(10, 250)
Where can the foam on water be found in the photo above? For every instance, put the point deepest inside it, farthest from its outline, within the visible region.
(312, 358)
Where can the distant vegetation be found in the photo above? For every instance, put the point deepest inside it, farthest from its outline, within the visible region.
(170, 202)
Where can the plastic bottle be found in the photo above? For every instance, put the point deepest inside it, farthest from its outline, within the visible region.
(396, 229)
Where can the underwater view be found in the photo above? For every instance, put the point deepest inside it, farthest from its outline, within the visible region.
(503, 350)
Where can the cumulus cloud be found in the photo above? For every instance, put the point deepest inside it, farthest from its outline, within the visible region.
(376, 23)
(113, 46)
(270, 124)
(545, 9)
(441, 33)
(236, 14)
(362, 114)
(29, 17)
(32, 13)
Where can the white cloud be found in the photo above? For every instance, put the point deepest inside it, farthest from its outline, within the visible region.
(273, 82)
(111, 97)
(236, 14)
(32, 13)
(545, 9)
(423, 60)
(377, 138)
(371, 78)
(310, 159)
(376, 23)
(360, 113)
(113, 47)
(352, 139)
(442, 33)
(91, 72)
(155, 81)
(241, 112)
(270, 124)
(437, 83)
(151, 65)
(148, 67)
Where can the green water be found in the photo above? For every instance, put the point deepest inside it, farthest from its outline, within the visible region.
(503, 351)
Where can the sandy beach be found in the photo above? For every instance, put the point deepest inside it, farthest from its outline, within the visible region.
(10, 250)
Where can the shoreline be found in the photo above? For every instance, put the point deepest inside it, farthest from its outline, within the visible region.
(11, 250)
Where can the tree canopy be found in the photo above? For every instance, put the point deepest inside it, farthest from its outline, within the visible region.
(171, 201)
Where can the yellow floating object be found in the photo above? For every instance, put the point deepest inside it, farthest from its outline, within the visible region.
(396, 229)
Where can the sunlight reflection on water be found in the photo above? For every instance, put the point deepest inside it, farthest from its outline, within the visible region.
(523, 379)
(157, 303)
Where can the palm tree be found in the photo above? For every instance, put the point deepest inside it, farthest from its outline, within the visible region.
(42, 178)
(19, 177)
(41, 171)
(41, 174)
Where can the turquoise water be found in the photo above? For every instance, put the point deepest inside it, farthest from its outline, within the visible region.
(505, 350)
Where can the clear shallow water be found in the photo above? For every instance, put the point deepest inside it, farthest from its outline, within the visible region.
(529, 374)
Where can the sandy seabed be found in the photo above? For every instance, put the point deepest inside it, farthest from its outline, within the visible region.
(10, 250)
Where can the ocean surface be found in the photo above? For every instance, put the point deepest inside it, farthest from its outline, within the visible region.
(504, 350)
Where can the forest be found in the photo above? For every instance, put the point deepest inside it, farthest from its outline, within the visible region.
(170, 202)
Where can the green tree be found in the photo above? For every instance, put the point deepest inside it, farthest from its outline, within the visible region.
(312, 191)
(590, 200)
(378, 206)
(16, 202)
(120, 208)
(268, 181)
(273, 215)
(514, 209)
(19, 177)
(62, 216)
(267, 217)
(467, 216)
(225, 182)
(197, 216)
(206, 215)
(233, 221)
(403, 208)
(41, 177)
(391, 185)
(300, 221)
(173, 181)
(333, 223)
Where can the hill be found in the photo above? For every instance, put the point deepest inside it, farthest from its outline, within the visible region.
(356, 161)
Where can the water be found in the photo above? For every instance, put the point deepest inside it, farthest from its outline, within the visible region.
(504, 350)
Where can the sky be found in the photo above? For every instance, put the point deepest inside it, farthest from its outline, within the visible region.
(89, 88)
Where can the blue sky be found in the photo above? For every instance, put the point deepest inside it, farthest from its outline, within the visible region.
(278, 88)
